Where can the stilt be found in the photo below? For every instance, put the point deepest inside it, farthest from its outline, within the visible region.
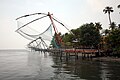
(66, 56)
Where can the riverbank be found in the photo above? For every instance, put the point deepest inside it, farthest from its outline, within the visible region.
(115, 59)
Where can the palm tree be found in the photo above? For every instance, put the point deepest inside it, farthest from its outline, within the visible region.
(108, 10)
(98, 26)
(118, 6)
(106, 31)
(118, 26)
(113, 26)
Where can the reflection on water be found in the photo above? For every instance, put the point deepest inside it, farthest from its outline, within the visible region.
(78, 70)
(85, 69)
(41, 64)
(24, 65)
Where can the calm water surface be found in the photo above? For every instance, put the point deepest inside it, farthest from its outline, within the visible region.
(24, 65)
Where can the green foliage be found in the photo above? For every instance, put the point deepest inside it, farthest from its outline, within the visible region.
(113, 40)
(89, 36)
(113, 26)
(118, 6)
(67, 39)
(106, 31)
(98, 26)
(108, 10)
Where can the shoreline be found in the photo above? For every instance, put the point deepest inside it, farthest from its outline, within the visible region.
(113, 59)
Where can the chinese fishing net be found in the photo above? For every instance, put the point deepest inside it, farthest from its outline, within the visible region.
(38, 29)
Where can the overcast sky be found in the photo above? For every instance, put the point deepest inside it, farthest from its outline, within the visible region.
(72, 12)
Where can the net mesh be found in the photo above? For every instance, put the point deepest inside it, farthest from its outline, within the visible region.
(32, 34)
(39, 30)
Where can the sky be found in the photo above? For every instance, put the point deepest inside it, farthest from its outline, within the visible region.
(74, 13)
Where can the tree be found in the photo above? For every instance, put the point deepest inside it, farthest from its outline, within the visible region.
(67, 39)
(106, 32)
(98, 26)
(89, 36)
(108, 10)
(113, 26)
(76, 33)
(113, 41)
(118, 26)
(118, 6)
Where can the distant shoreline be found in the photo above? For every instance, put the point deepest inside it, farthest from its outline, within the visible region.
(13, 49)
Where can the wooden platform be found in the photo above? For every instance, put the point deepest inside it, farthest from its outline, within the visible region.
(84, 53)
(81, 50)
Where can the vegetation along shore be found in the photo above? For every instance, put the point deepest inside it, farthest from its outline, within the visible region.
(93, 36)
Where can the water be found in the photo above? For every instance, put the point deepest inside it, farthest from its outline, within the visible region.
(24, 65)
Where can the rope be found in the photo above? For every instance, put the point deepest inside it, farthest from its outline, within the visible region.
(62, 24)
(30, 15)
(25, 36)
(30, 22)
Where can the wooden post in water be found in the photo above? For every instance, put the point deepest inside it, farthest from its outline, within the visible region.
(66, 56)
